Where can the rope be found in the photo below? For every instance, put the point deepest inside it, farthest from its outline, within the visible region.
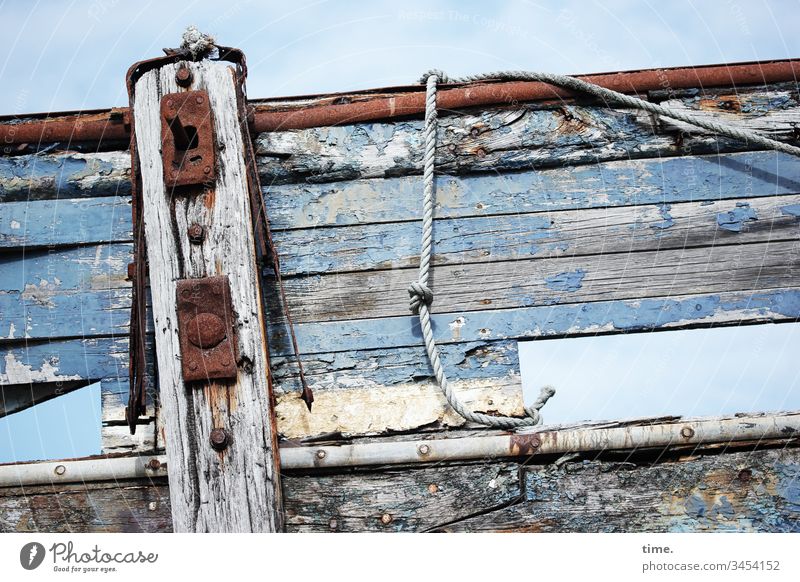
(610, 96)
(419, 291)
(422, 296)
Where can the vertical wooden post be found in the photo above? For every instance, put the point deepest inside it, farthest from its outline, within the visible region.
(236, 489)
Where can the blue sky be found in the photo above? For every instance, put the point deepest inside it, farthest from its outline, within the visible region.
(74, 55)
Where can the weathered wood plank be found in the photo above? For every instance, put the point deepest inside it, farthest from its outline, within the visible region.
(124, 506)
(602, 185)
(610, 184)
(61, 222)
(532, 282)
(744, 492)
(776, 305)
(64, 175)
(39, 274)
(569, 233)
(520, 138)
(397, 500)
(237, 489)
(494, 140)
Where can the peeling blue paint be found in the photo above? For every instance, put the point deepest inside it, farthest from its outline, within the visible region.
(791, 210)
(660, 181)
(734, 219)
(567, 281)
(540, 321)
(668, 221)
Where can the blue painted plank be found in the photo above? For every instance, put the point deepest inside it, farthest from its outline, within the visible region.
(611, 184)
(64, 175)
(91, 358)
(392, 366)
(41, 273)
(84, 314)
(546, 321)
(62, 222)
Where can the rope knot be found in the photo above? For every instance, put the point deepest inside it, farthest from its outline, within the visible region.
(420, 294)
(197, 43)
(441, 76)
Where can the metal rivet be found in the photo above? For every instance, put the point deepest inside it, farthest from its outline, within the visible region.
(199, 99)
(219, 439)
(687, 432)
(423, 450)
(170, 104)
(321, 454)
(183, 76)
(60, 469)
(386, 519)
(433, 488)
(333, 523)
(154, 464)
(207, 170)
(196, 233)
(193, 366)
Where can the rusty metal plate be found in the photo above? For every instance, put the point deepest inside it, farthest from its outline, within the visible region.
(187, 139)
(206, 329)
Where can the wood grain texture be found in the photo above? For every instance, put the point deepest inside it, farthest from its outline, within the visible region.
(397, 500)
(533, 282)
(124, 506)
(732, 492)
(237, 489)
(524, 137)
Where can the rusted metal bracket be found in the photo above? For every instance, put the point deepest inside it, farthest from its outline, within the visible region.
(206, 329)
(187, 139)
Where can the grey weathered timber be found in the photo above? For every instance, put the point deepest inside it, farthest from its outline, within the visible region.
(136, 505)
(746, 491)
(756, 491)
(533, 282)
(535, 135)
(237, 489)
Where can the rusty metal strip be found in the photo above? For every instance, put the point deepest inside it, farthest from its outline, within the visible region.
(297, 113)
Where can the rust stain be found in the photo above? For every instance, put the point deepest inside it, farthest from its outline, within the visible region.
(282, 114)
(724, 102)
(524, 444)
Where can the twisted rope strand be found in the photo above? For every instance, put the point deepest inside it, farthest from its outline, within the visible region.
(421, 294)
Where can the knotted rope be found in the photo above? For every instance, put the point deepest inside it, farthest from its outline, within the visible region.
(419, 291)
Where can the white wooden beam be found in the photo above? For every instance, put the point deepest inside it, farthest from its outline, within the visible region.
(236, 489)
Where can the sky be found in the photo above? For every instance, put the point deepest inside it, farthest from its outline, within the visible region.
(74, 55)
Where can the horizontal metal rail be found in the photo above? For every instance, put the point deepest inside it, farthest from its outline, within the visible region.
(617, 437)
(280, 114)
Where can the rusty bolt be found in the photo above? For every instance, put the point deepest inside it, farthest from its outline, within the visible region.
(321, 454)
(199, 99)
(207, 170)
(423, 450)
(184, 76)
(475, 132)
(333, 523)
(687, 432)
(170, 104)
(219, 439)
(154, 464)
(60, 469)
(386, 519)
(433, 488)
(196, 233)
(480, 152)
